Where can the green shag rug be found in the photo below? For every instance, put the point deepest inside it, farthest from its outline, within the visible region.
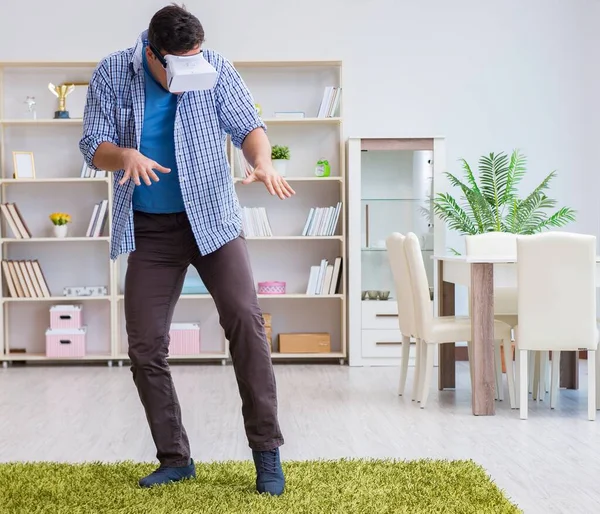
(313, 487)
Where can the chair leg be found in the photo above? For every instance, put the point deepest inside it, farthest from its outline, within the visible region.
(536, 391)
(404, 364)
(544, 359)
(498, 368)
(597, 380)
(592, 385)
(523, 380)
(510, 375)
(418, 364)
(555, 379)
(518, 384)
(531, 371)
(426, 382)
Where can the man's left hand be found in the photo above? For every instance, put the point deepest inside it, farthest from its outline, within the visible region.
(274, 182)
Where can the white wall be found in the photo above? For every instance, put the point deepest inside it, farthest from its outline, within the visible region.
(488, 76)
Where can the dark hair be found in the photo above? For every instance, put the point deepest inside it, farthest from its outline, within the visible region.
(174, 29)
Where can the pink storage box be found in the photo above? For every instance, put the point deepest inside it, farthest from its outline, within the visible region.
(272, 287)
(185, 339)
(66, 316)
(65, 342)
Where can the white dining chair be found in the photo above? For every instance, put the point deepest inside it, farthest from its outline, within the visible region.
(430, 330)
(501, 245)
(556, 274)
(406, 311)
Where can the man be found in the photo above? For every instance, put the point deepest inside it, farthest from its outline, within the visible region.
(175, 205)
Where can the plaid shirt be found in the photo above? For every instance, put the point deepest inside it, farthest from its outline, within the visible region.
(114, 112)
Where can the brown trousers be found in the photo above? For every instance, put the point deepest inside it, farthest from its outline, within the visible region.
(165, 247)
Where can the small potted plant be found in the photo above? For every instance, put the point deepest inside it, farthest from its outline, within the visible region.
(280, 155)
(60, 221)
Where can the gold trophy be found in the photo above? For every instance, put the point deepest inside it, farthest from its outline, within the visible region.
(61, 92)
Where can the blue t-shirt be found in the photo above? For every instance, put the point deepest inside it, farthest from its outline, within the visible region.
(158, 143)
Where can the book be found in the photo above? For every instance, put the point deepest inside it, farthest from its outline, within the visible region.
(322, 221)
(98, 219)
(88, 172)
(25, 279)
(255, 222)
(329, 102)
(15, 221)
(325, 278)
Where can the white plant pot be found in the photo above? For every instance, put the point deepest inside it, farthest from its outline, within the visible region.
(280, 166)
(61, 230)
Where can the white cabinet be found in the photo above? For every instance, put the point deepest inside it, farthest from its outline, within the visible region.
(391, 183)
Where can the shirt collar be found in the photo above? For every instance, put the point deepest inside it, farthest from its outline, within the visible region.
(136, 59)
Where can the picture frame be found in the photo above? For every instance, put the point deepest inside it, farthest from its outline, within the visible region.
(77, 100)
(24, 165)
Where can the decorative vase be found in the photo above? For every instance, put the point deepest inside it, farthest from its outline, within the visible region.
(60, 230)
(280, 166)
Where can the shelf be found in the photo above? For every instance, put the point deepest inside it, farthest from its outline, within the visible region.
(363, 249)
(292, 296)
(43, 357)
(296, 238)
(200, 356)
(285, 64)
(331, 355)
(73, 299)
(238, 180)
(48, 64)
(53, 180)
(42, 121)
(302, 121)
(393, 199)
(79, 121)
(54, 239)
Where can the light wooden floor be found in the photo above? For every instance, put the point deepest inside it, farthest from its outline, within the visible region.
(548, 464)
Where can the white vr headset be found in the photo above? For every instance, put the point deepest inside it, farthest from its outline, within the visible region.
(187, 72)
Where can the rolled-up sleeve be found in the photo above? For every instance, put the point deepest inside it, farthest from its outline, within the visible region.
(235, 105)
(99, 115)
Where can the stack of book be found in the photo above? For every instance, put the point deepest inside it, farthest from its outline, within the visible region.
(322, 221)
(255, 222)
(24, 279)
(98, 219)
(325, 279)
(87, 172)
(330, 102)
(15, 221)
(242, 167)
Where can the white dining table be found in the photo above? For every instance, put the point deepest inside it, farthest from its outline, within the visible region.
(481, 275)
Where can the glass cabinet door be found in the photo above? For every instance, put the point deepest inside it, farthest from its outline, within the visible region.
(396, 190)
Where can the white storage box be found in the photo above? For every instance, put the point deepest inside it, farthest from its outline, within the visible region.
(66, 316)
(69, 342)
(185, 339)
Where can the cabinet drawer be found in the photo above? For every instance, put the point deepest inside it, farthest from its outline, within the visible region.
(380, 315)
(382, 343)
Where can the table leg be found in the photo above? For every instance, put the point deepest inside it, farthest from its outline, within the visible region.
(447, 358)
(482, 337)
(569, 370)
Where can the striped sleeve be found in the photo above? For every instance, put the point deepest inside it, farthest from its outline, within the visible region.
(99, 124)
(235, 105)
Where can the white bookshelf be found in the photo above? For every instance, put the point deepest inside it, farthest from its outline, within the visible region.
(78, 260)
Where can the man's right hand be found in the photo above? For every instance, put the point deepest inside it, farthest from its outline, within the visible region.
(138, 166)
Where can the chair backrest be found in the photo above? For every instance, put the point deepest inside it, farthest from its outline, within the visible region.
(496, 244)
(492, 244)
(402, 283)
(556, 273)
(420, 286)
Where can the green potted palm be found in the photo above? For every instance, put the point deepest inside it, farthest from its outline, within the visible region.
(280, 155)
(493, 204)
